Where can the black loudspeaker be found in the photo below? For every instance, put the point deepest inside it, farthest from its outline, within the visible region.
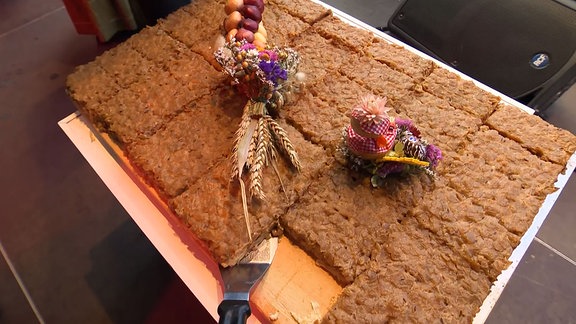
(525, 49)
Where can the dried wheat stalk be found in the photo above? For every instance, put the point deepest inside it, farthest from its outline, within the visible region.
(259, 160)
(284, 141)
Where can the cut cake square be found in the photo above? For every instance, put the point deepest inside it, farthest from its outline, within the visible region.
(90, 83)
(343, 33)
(462, 94)
(377, 77)
(212, 205)
(400, 59)
(126, 65)
(175, 157)
(308, 11)
(497, 174)
(533, 133)
(440, 123)
(342, 220)
(416, 279)
(464, 226)
(281, 27)
(318, 56)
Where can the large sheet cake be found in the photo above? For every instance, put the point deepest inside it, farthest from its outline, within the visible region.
(418, 249)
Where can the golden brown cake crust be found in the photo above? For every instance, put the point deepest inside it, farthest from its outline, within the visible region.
(400, 59)
(282, 27)
(341, 220)
(498, 174)
(377, 77)
(172, 164)
(334, 28)
(534, 134)
(212, 207)
(439, 122)
(318, 55)
(462, 94)
(417, 279)
(307, 11)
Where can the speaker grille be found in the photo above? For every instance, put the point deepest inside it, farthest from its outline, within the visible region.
(513, 46)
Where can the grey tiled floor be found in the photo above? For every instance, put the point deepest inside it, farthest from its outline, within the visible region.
(78, 255)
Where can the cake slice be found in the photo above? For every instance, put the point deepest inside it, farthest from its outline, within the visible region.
(212, 206)
(281, 27)
(533, 133)
(342, 221)
(89, 83)
(416, 279)
(154, 44)
(184, 27)
(463, 226)
(518, 164)
(338, 91)
(377, 77)
(126, 65)
(196, 29)
(462, 94)
(317, 120)
(159, 99)
(206, 11)
(201, 136)
(307, 11)
(318, 56)
(502, 177)
(343, 33)
(400, 59)
(439, 122)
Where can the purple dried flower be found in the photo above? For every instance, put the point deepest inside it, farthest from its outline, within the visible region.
(268, 55)
(433, 155)
(409, 125)
(273, 71)
(247, 46)
(390, 167)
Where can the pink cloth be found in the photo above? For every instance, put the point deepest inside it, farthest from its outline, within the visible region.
(368, 145)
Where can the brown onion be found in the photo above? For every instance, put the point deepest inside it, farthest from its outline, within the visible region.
(233, 5)
(245, 34)
(258, 3)
(252, 12)
(231, 34)
(249, 24)
(232, 21)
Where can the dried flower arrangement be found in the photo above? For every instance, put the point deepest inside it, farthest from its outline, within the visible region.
(381, 145)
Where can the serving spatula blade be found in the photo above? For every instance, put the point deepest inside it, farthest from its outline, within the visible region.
(241, 278)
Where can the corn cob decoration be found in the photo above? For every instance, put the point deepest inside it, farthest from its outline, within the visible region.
(268, 76)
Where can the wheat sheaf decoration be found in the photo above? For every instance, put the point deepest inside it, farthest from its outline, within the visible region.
(268, 76)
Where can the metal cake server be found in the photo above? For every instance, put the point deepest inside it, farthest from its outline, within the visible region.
(241, 278)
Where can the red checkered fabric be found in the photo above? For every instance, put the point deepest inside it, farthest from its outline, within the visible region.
(357, 143)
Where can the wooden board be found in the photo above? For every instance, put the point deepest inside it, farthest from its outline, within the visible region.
(295, 289)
